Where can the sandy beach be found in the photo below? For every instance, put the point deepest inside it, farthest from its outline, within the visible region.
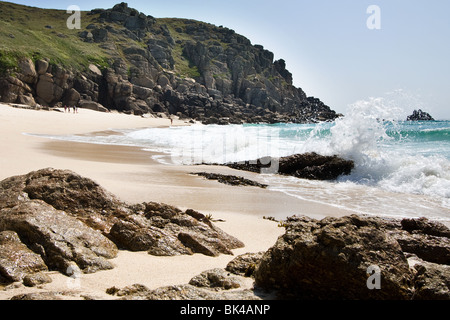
(133, 176)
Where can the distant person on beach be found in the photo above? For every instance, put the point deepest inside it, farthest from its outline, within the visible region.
(171, 121)
(65, 108)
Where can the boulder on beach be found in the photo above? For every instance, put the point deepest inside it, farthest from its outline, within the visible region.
(58, 238)
(356, 257)
(57, 220)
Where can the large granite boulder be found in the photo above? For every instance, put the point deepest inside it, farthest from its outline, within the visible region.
(67, 191)
(245, 264)
(58, 238)
(27, 70)
(432, 281)
(343, 258)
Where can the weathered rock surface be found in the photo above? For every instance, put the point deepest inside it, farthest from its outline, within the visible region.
(329, 259)
(36, 279)
(50, 295)
(419, 115)
(57, 220)
(307, 166)
(16, 259)
(53, 219)
(217, 279)
(245, 264)
(164, 230)
(432, 281)
(57, 237)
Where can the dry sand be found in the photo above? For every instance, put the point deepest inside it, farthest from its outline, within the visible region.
(132, 175)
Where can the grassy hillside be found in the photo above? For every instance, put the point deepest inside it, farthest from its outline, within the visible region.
(42, 33)
(36, 33)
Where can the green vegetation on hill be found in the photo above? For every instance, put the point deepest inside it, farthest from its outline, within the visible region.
(42, 33)
(37, 33)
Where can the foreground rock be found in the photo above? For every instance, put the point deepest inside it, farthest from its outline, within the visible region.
(245, 264)
(58, 220)
(59, 238)
(335, 257)
(215, 284)
(307, 166)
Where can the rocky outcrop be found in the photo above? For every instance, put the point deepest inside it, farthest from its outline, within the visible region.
(334, 258)
(190, 292)
(419, 115)
(57, 220)
(307, 166)
(173, 66)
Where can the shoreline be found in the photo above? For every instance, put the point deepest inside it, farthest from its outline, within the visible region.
(25, 151)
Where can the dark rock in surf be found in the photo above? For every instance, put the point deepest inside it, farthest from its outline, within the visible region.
(419, 115)
(307, 166)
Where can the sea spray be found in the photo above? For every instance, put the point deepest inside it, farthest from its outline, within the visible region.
(360, 136)
(371, 137)
(360, 132)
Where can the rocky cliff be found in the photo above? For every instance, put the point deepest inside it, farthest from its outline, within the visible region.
(125, 60)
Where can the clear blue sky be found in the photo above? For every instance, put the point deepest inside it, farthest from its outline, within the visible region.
(327, 46)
